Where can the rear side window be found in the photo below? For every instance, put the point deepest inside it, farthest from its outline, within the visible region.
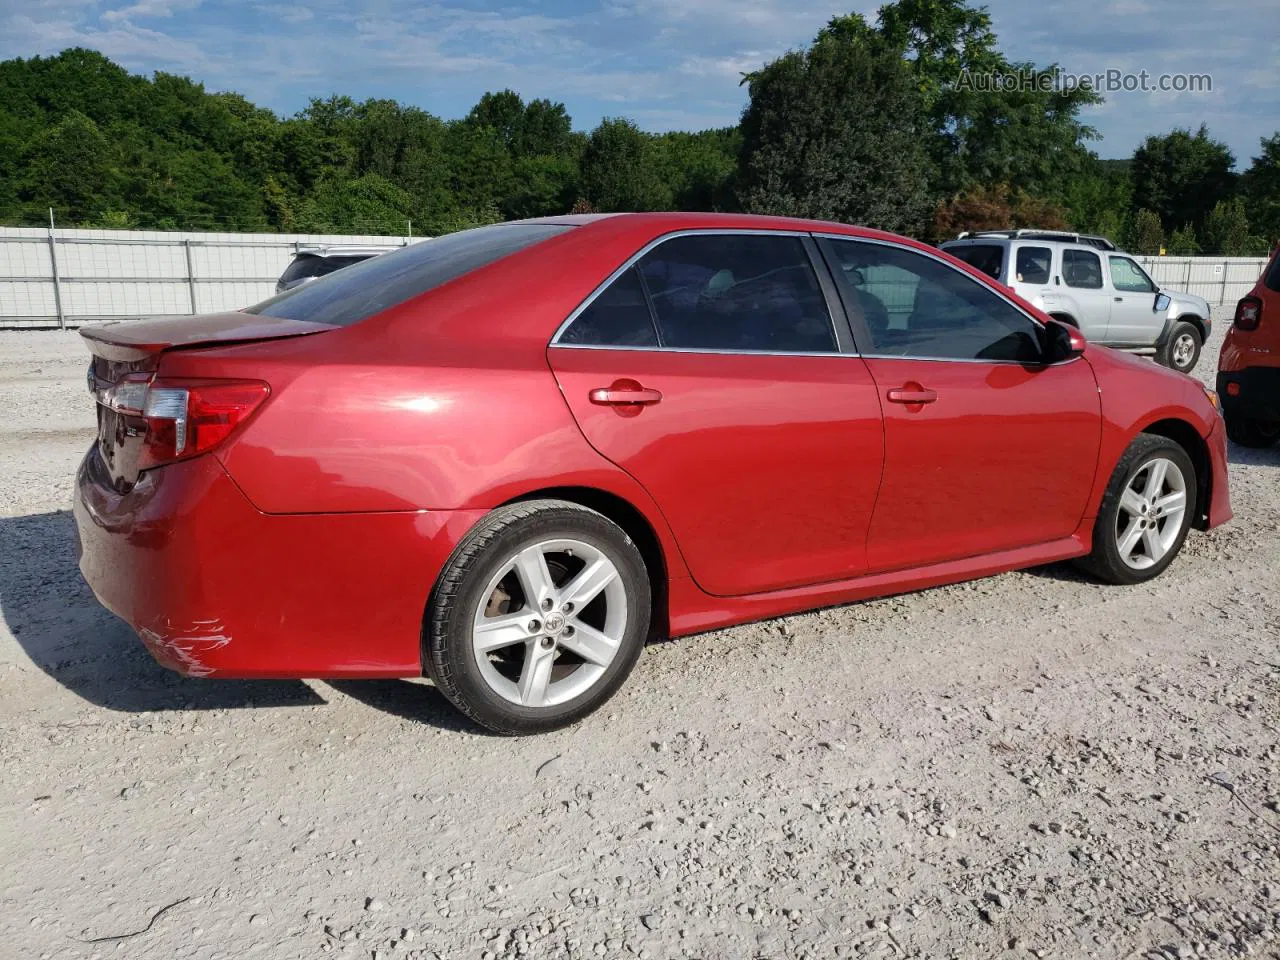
(989, 258)
(1081, 269)
(1034, 264)
(351, 295)
(737, 292)
(619, 317)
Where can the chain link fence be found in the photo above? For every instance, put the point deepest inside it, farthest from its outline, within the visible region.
(51, 278)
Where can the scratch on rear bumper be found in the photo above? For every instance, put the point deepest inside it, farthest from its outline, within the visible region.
(185, 649)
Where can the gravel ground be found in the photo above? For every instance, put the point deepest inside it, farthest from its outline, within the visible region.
(1030, 765)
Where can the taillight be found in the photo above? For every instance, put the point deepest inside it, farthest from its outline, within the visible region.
(184, 418)
(1248, 313)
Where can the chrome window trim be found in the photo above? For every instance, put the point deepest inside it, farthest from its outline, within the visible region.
(699, 232)
(708, 351)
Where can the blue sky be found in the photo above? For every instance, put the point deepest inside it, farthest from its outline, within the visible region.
(668, 64)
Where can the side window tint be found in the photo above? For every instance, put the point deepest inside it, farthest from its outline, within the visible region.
(1081, 269)
(619, 317)
(1034, 264)
(915, 306)
(1127, 276)
(744, 292)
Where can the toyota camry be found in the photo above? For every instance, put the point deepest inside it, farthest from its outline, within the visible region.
(507, 457)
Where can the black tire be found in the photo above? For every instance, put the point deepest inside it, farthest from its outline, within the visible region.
(1105, 561)
(449, 655)
(1248, 432)
(1189, 333)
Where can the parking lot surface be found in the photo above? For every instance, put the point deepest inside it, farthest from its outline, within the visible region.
(1029, 765)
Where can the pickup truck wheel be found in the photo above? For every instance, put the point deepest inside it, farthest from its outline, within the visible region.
(1181, 351)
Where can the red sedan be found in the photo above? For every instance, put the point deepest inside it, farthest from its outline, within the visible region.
(506, 457)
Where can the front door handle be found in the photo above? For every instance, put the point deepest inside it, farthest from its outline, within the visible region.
(912, 393)
(1119, 299)
(624, 393)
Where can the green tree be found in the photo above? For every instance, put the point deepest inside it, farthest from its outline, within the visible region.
(1146, 234)
(68, 167)
(1260, 186)
(621, 170)
(1027, 135)
(833, 132)
(1183, 243)
(1226, 229)
(1182, 176)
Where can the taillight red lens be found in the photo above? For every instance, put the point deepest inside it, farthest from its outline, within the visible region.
(184, 418)
(1248, 313)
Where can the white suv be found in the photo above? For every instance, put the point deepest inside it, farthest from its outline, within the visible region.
(1091, 285)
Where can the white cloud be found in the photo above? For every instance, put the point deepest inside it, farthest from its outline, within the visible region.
(149, 9)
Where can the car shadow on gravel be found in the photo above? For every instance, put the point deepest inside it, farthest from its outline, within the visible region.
(409, 700)
(1253, 456)
(65, 632)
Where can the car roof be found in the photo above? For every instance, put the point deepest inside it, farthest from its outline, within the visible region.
(1033, 239)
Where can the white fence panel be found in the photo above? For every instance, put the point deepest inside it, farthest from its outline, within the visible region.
(110, 274)
(119, 274)
(1220, 280)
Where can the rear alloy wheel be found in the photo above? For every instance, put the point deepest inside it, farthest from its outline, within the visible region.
(1251, 433)
(1182, 350)
(1146, 512)
(538, 618)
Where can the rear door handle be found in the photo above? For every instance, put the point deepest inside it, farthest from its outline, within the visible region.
(1119, 299)
(624, 394)
(912, 393)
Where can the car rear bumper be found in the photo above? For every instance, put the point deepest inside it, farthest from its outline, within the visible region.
(216, 588)
(1256, 396)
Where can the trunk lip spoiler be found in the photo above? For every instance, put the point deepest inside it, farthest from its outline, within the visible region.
(115, 340)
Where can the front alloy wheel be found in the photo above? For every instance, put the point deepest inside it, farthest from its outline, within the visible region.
(538, 617)
(1152, 510)
(1146, 512)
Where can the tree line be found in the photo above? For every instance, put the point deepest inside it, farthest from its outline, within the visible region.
(868, 124)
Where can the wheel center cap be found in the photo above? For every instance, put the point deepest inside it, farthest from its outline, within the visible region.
(554, 623)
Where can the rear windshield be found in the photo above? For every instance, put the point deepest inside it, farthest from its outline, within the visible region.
(988, 258)
(1273, 274)
(351, 295)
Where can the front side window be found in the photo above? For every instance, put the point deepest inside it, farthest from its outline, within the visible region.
(1034, 265)
(1081, 269)
(737, 292)
(353, 294)
(1128, 277)
(916, 306)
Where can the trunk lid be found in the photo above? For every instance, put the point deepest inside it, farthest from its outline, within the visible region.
(132, 349)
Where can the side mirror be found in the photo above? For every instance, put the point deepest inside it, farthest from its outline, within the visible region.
(1062, 342)
(1162, 302)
